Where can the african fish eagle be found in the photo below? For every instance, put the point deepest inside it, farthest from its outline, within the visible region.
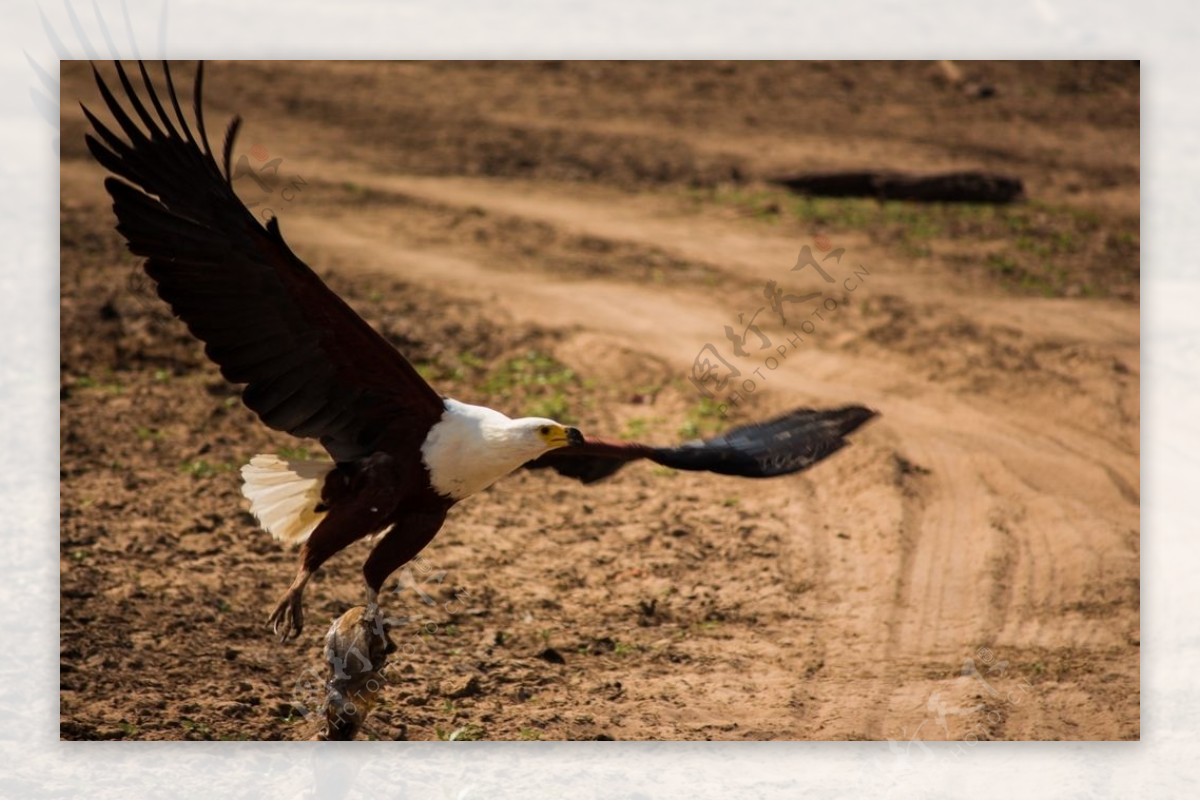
(402, 454)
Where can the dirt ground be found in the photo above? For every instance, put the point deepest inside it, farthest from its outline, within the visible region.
(565, 239)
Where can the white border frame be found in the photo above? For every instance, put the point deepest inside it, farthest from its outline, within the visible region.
(1166, 762)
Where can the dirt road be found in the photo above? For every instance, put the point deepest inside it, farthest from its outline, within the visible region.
(566, 239)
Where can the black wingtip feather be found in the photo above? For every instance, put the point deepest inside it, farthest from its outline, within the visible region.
(183, 126)
(227, 156)
(136, 102)
(198, 106)
(850, 418)
(158, 106)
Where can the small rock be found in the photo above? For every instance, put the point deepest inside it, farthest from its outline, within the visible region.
(553, 656)
(602, 645)
(460, 689)
(235, 710)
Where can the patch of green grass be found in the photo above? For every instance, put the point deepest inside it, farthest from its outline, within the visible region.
(636, 428)
(202, 468)
(1124, 239)
(466, 366)
(761, 203)
(1017, 220)
(291, 718)
(703, 419)
(464, 733)
(297, 453)
(195, 726)
(1066, 242)
(918, 221)
(358, 191)
(533, 369)
(1029, 244)
(429, 371)
(145, 434)
(826, 212)
(111, 386)
(1090, 254)
(624, 649)
(471, 360)
(528, 733)
(555, 407)
(541, 379)
(1045, 278)
(1003, 264)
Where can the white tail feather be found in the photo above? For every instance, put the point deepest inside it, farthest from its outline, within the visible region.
(284, 494)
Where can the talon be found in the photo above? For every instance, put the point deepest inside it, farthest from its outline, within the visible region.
(287, 621)
(372, 608)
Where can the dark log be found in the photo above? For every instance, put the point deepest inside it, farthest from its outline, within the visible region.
(950, 187)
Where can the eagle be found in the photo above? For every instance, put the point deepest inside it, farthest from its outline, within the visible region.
(401, 454)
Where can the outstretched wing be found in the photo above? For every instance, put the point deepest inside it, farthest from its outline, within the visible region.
(312, 367)
(787, 444)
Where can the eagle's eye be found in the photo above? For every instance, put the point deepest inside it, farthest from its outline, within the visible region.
(544, 430)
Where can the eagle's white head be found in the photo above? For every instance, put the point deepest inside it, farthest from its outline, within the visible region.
(541, 434)
(472, 447)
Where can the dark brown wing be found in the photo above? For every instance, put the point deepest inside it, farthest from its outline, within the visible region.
(787, 444)
(311, 366)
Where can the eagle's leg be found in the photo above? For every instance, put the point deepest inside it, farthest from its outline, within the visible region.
(372, 601)
(287, 620)
(340, 528)
(407, 537)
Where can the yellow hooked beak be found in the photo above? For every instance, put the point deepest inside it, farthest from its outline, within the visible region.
(557, 436)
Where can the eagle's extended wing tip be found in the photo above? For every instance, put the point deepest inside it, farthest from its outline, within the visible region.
(853, 417)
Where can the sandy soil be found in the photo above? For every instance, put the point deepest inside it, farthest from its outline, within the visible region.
(566, 238)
